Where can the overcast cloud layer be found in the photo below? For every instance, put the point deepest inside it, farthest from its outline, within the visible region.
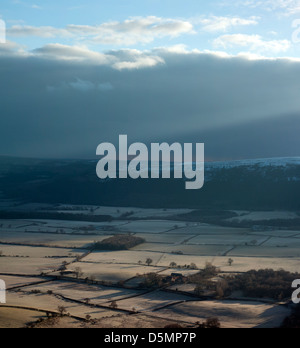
(63, 101)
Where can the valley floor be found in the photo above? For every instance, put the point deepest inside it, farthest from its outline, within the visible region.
(103, 289)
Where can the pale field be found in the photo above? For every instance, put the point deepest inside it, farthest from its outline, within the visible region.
(30, 266)
(183, 287)
(151, 226)
(54, 225)
(122, 257)
(12, 281)
(117, 212)
(32, 206)
(198, 229)
(7, 224)
(265, 215)
(297, 235)
(283, 242)
(267, 251)
(240, 264)
(160, 213)
(75, 224)
(137, 321)
(232, 314)
(226, 239)
(152, 301)
(14, 318)
(52, 240)
(200, 250)
(277, 233)
(111, 272)
(96, 293)
(62, 323)
(166, 238)
(118, 321)
(245, 264)
(51, 303)
(38, 252)
(181, 260)
(37, 227)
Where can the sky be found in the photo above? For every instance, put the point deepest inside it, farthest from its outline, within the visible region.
(74, 74)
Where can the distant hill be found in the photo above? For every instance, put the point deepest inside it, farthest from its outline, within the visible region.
(249, 185)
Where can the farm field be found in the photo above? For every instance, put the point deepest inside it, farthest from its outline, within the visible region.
(152, 301)
(20, 281)
(96, 294)
(38, 252)
(111, 273)
(12, 318)
(29, 266)
(266, 251)
(119, 212)
(265, 215)
(145, 226)
(232, 314)
(75, 241)
(201, 250)
(48, 303)
(117, 321)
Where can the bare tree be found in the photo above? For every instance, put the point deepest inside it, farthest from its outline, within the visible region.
(230, 262)
(193, 266)
(78, 272)
(114, 305)
(149, 262)
(62, 310)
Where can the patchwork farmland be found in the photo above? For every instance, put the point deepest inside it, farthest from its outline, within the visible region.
(55, 278)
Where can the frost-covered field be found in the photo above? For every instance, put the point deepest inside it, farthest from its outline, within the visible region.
(231, 314)
(266, 215)
(51, 240)
(17, 281)
(184, 249)
(227, 239)
(45, 302)
(37, 252)
(96, 294)
(158, 226)
(205, 229)
(111, 273)
(11, 318)
(152, 301)
(29, 266)
(285, 253)
(118, 212)
(165, 238)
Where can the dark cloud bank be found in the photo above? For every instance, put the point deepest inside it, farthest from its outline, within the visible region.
(238, 107)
